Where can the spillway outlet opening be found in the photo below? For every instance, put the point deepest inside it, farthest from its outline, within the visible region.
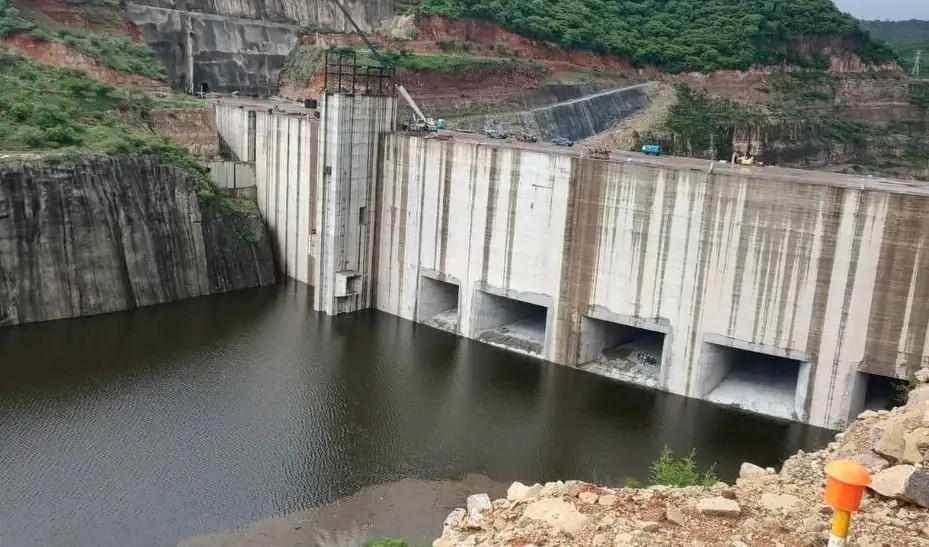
(755, 382)
(438, 304)
(877, 392)
(510, 323)
(623, 352)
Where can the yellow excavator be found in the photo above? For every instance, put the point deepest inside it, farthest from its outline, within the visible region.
(739, 158)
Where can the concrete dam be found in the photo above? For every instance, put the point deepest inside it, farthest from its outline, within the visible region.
(794, 294)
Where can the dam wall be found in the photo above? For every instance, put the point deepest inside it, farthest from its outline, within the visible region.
(777, 291)
(575, 119)
(283, 151)
(286, 170)
(102, 234)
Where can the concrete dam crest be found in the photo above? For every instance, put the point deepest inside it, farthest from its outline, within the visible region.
(794, 294)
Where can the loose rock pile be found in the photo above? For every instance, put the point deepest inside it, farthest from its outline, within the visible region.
(763, 508)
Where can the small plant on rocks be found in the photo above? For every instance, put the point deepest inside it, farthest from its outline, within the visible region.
(670, 471)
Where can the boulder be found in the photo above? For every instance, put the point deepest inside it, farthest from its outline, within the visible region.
(867, 414)
(453, 519)
(558, 514)
(916, 446)
(922, 375)
(607, 500)
(779, 502)
(674, 515)
(751, 470)
(588, 497)
(519, 491)
(905, 483)
(477, 503)
(718, 507)
(917, 397)
(870, 461)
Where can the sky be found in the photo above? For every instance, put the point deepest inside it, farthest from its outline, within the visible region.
(894, 10)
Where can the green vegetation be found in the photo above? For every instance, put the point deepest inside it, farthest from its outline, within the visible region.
(905, 37)
(111, 50)
(919, 95)
(46, 108)
(388, 543)
(304, 62)
(10, 19)
(404, 59)
(703, 121)
(670, 471)
(449, 45)
(903, 388)
(677, 35)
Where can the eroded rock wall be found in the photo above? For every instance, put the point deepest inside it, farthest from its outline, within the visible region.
(228, 54)
(367, 13)
(102, 234)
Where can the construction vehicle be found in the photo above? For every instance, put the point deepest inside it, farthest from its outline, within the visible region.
(597, 153)
(744, 159)
(651, 149)
(420, 121)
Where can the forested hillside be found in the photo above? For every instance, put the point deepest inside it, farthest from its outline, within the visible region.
(677, 35)
(905, 37)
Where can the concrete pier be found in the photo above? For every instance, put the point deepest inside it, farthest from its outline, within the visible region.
(794, 294)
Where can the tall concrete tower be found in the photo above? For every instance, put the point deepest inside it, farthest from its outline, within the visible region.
(358, 107)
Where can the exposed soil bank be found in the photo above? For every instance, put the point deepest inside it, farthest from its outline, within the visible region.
(398, 509)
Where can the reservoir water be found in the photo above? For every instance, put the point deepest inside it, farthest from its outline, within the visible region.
(146, 427)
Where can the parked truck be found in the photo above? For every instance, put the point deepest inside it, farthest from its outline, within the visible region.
(651, 149)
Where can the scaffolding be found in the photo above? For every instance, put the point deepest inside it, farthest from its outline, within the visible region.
(346, 75)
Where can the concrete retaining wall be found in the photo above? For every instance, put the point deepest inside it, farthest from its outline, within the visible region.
(232, 174)
(286, 169)
(236, 128)
(834, 275)
(576, 119)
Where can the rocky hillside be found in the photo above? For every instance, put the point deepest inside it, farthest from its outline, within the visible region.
(763, 507)
(685, 35)
(101, 234)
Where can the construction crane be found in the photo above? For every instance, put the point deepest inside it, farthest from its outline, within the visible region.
(421, 122)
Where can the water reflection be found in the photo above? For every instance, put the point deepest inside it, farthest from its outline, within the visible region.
(144, 427)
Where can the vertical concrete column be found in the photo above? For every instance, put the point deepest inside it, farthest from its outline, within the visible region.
(252, 132)
(350, 132)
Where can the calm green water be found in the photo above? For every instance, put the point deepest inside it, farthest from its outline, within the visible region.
(145, 427)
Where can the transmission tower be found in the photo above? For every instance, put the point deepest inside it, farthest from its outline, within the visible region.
(916, 64)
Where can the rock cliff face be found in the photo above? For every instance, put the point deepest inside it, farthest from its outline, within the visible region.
(228, 54)
(102, 234)
(367, 13)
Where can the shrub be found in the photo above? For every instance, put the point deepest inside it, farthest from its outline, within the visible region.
(670, 471)
(447, 44)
